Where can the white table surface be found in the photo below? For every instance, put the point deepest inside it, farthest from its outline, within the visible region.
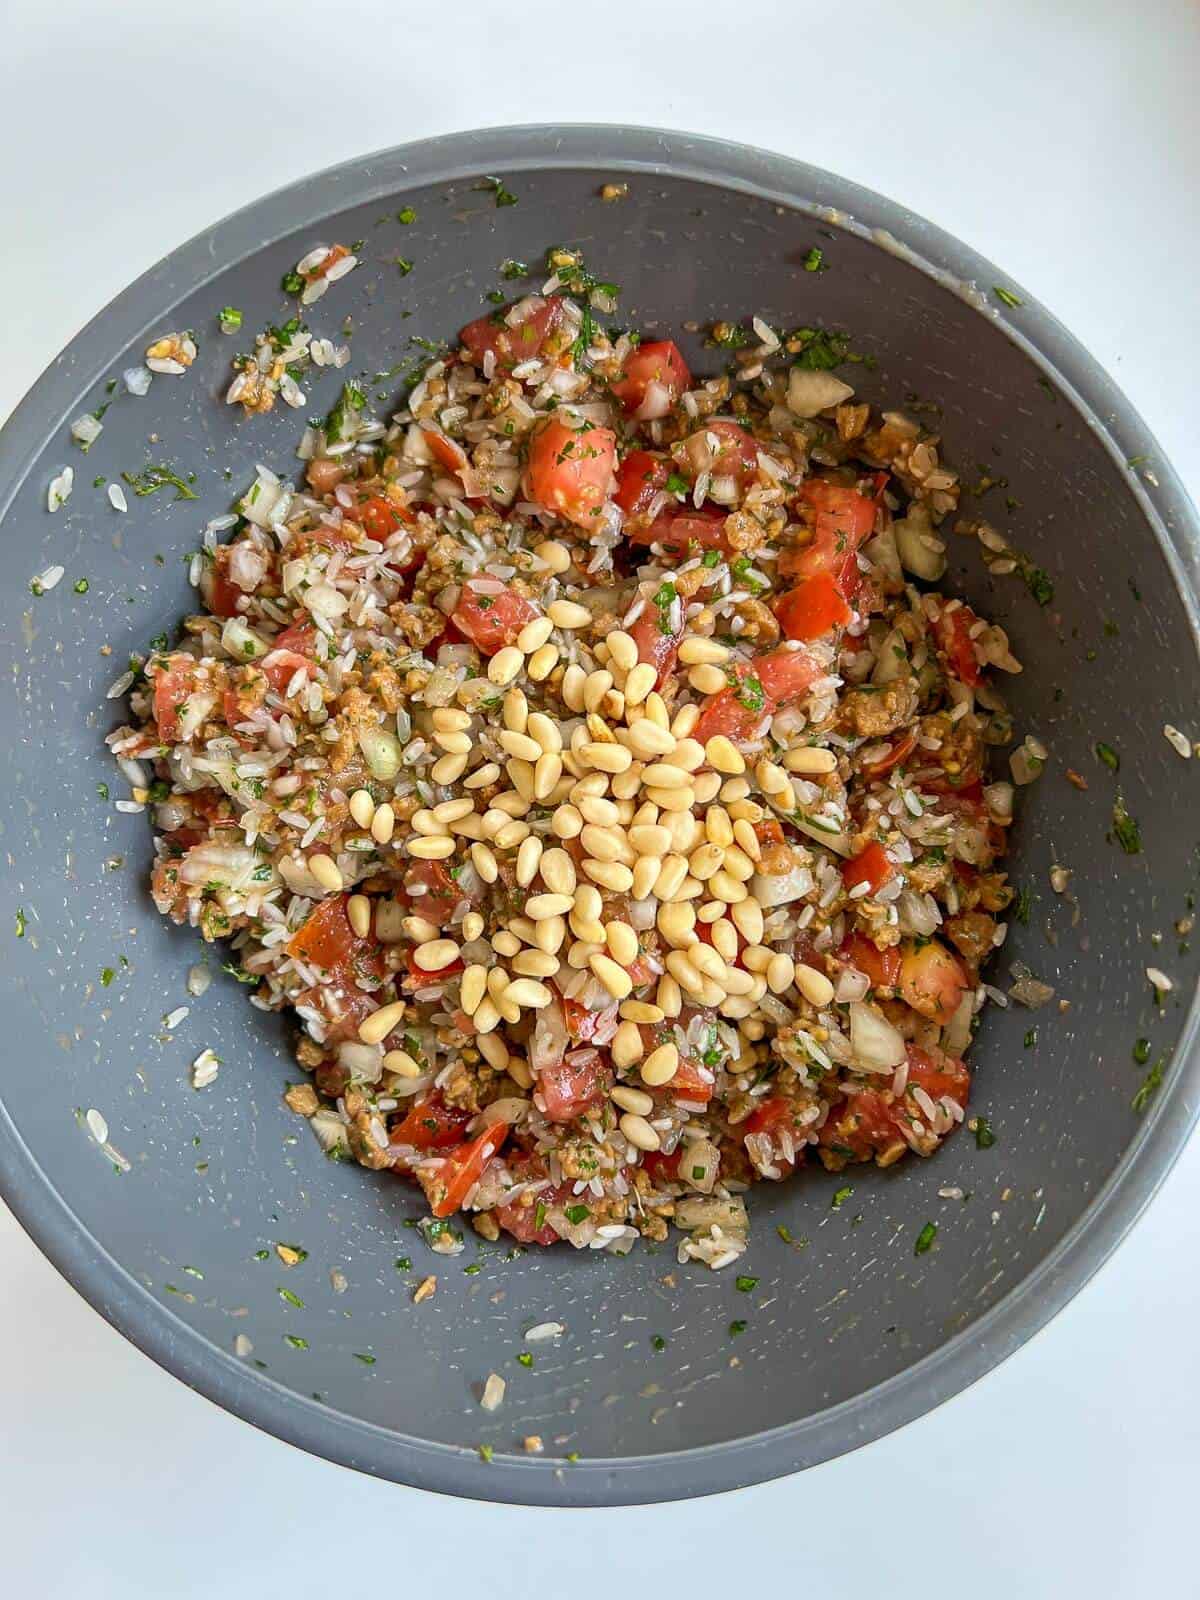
(1063, 141)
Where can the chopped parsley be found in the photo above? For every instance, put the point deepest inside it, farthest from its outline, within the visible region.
(239, 973)
(20, 928)
(577, 1214)
(925, 1238)
(814, 261)
(525, 1358)
(1024, 905)
(1039, 584)
(296, 1342)
(106, 977)
(729, 336)
(503, 196)
(337, 424)
(679, 485)
(539, 1215)
(292, 1299)
(153, 478)
(658, 1342)
(486, 1451)
(82, 586)
(1109, 756)
(1030, 1038)
(750, 693)
(514, 269)
(292, 283)
(1150, 1084)
(230, 319)
(1141, 1052)
(406, 214)
(710, 558)
(403, 1264)
(985, 1138)
(840, 1197)
(745, 1283)
(1125, 829)
(664, 600)
(785, 1233)
(736, 1327)
(403, 266)
(1006, 296)
(741, 571)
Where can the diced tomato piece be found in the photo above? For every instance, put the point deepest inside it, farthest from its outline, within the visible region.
(813, 608)
(445, 451)
(773, 1117)
(931, 980)
(512, 345)
(899, 753)
(940, 1075)
(520, 1216)
(870, 866)
(862, 1126)
(656, 647)
(661, 364)
(692, 1080)
(221, 594)
(420, 975)
(684, 531)
(431, 890)
(882, 967)
(952, 631)
(641, 972)
(582, 1024)
(567, 1090)
(570, 470)
(301, 638)
(335, 253)
(738, 713)
(490, 621)
(448, 1184)
(786, 674)
(769, 833)
(172, 686)
(842, 520)
(661, 1168)
(343, 1005)
(431, 1124)
(326, 938)
(380, 517)
(281, 666)
(640, 477)
(736, 454)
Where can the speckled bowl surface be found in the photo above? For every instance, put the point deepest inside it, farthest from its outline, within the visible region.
(170, 1232)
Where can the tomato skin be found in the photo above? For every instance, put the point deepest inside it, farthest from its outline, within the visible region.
(221, 594)
(813, 608)
(640, 477)
(781, 675)
(786, 674)
(771, 1117)
(512, 345)
(842, 520)
(952, 631)
(882, 967)
(583, 1024)
(172, 686)
(659, 362)
(445, 451)
(570, 470)
(736, 455)
(931, 981)
(521, 1220)
(569, 1088)
(661, 1168)
(281, 666)
(939, 1074)
(895, 757)
(448, 1185)
(491, 621)
(380, 517)
(683, 531)
(431, 1124)
(656, 648)
(439, 894)
(692, 1081)
(870, 866)
(325, 939)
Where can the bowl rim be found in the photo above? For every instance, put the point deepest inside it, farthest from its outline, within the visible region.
(1029, 1304)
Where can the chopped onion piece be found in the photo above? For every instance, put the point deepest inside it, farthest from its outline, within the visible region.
(877, 1046)
(382, 751)
(810, 393)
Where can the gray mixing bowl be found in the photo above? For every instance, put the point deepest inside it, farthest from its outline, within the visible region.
(170, 1230)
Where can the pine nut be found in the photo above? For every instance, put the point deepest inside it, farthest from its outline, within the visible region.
(528, 857)
(383, 824)
(401, 1064)
(558, 872)
(639, 1132)
(567, 614)
(566, 823)
(535, 964)
(419, 929)
(674, 871)
(724, 755)
(604, 844)
(677, 924)
(539, 906)
(601, 813)
(811, 760)
(546, 774)
(738, 864)
(746, 811)
(595, 688)
(780, 972)
(472, 927)
(494, 1050)
(640, 1011)
(455, 744)
(556, 556)
(702, 863)
(518, 1070)
(362, 807)
(707, 785)
(571, 689)
(664, 775)
(435, 954)
(706, 960)
(542, 663)
(649, 839)
(588, 903)
(645, 875)
(646, 739)
(772, 779)
(614, 978)
(545, 730)
(482, 777)
(375, 1028)
(690, 889)
(725, 939)
(607, 757)
(660, 1066)
(473, 988)
(656, 710)
(625, 785)
(528, 993)
(609, 874)
(358, 911)
(520, 775)
(548, 934)
(669, 996)
(697, 651)
(734, 789)
(327, 872)
(726, 887)
(711, 911)
(639, 681)
(510, 834)
(506, 943)
(813, 985)
(448, 769)
(505, 665)
(622, 943)
(534, 635)
(514, 710)
(623, 650)
(673, 799)
(705, 680)
(627, 1047)
(487, 1017)
(747, 839)
(683, 723)
(756, 957)
(635, 1100)
(582, 951)
(688, 754)
(519, 745)
(484, 862)
(685, 974)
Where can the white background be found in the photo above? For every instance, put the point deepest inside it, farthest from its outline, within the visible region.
(1063, 141)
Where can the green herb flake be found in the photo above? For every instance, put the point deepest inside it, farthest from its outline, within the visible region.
(1030, 1038)
(679, 485)
(403, 266)
(262, 1255)
(511, 268)
(292, 283)
(229, 319)
(296, 1342)
(486, 1452)
(745, 1283)
(525, 1358)
(475, 1267)
(106, 977)
(403, 1264)
(925, 1238)
(785, 1233)
(736, 1327)
(840, 1197)
(503, 196)
(1150, 1085)
(81, 586)
(1141, 1052)
(577, 1214)
(710, 558)
(1006, 296)
(292, 1299)
(367, 1360)
(750, 693)
(658, 1342)
(20, 928)
(985, 1137)
(406, 215)
(153, 478)
(1039, 584)
(194, 1272)
(814, 261)
(1125, 829)
(1109, 756)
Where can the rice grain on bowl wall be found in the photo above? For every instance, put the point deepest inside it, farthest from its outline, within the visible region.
(855, 1328)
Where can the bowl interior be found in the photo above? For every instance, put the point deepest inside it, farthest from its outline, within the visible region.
(197, 1188)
